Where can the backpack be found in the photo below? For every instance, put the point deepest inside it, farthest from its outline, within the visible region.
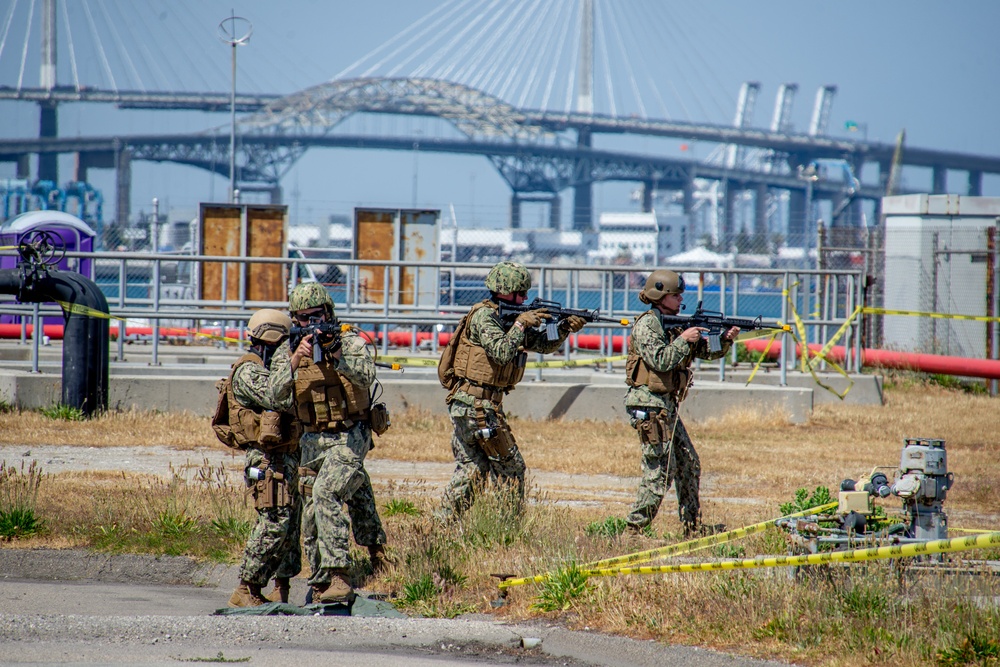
(446, 364)
(221, 420)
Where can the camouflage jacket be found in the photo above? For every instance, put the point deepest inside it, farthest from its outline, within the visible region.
(485, 330)
(664, 350)
(257, 387)
(355, 364)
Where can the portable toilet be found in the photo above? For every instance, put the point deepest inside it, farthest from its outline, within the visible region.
(69, 231)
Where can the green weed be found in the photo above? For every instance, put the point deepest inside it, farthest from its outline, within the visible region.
(973, 649)
(63, 412)
(804, 501)
(400, 507)
(19, 500)
(612, 526)
(563, 586)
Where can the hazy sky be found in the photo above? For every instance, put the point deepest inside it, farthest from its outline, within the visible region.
(928, 66)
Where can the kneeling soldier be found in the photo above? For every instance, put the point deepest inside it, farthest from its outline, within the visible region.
(259, 404)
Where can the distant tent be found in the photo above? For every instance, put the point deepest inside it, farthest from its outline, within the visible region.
(700, 257)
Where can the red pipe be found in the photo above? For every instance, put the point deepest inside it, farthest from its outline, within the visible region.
(909, 361)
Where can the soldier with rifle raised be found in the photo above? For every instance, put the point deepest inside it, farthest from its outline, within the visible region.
(484, 360)
(658, 374)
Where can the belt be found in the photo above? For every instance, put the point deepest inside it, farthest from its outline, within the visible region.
(483, 391)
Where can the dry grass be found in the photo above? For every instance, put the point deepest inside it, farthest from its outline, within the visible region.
(181, 431)
(751, 464)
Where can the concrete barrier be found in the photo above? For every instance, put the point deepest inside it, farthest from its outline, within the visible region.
(531, 400)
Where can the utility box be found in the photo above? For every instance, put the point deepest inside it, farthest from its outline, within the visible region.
(243, 230)
(940, 257)
(397, 235)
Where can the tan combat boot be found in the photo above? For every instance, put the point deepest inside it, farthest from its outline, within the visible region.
(246, 595)
(338, 590)
(281, 589)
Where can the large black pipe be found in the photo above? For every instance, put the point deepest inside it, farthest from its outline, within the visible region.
(85, 337)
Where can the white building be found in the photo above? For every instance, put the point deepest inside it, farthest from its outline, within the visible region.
(645, 238)
(936, 261)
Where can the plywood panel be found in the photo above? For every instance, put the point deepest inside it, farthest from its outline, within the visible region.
(266, 235)
(267, 225)
(375, 238)
(220, 235)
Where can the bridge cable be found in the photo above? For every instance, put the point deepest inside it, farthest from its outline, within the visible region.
(628, 65)
(557, 54)
(530, 91)
(395, 40)
(122, 50)
(523, 40)
(199, 67)
(483, 20)
(151, 62)
(468, 24)
(465, 61)
(72, 50)
(602, 43)
(24, 49)
(99, 44)
(571, 79)
(696, 51)
(6, 27)
(486, 71)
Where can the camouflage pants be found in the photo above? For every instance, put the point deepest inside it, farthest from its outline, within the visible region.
(472, 465)
(341, 479)
(273, 547)
(663, 464)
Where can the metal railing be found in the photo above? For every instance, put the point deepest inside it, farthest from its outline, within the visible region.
(825, 299)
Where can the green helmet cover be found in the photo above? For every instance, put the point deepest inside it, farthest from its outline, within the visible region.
(507, 278)
(309, 295)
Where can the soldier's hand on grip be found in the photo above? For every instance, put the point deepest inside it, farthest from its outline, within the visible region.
(533, 318)
(574, 323)
(693, 335)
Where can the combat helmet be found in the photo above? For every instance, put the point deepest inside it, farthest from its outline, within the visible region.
(269, 325)
(660, 283)
(310, 295)
(507, 278)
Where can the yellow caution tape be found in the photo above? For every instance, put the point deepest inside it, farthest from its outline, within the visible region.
(675, 549)
(427, 362)
(851, 556)
(918, 313)
(77, 309)
(574, 362)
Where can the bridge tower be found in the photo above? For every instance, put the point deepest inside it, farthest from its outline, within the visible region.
(48, 126)
(583, 195)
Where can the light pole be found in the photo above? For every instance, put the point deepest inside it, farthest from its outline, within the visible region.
(235, 31)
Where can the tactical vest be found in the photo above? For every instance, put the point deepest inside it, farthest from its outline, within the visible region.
(326, 400)
(472, 364)
(639, 374)
(244, 422)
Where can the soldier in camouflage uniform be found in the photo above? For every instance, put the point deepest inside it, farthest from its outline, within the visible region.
(332, 400)
(260, 403)
(488, 362)
(658, 373)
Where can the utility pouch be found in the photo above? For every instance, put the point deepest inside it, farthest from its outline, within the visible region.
(497, 441)
(650, 430)
(270, 428)
(307, 476)
(272, 491)
(379, 419)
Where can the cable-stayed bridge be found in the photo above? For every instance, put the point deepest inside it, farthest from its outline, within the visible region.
(539, 151)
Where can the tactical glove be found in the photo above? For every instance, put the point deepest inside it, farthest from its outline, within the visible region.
(573, 323)
(533, 318)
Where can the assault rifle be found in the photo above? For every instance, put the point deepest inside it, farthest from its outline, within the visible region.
(325, 337)
(717, 324)
(508, 312)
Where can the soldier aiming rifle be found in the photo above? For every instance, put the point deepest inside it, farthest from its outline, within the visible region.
(509, 312)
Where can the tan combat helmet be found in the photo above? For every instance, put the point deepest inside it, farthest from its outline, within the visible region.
(269, 325)
(660, 283)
